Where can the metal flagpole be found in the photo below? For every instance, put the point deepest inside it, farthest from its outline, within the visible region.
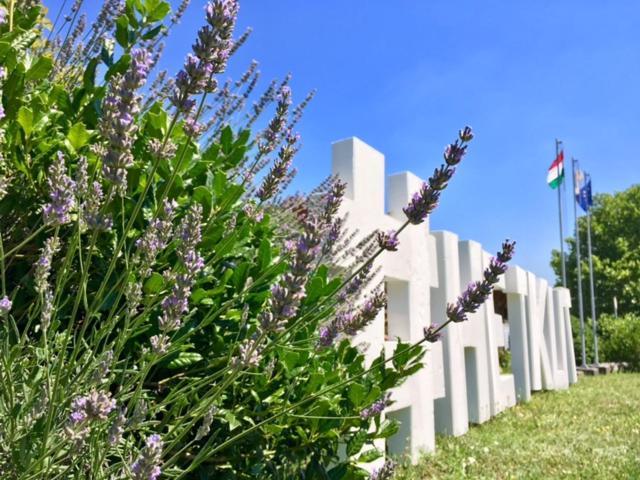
(564, 272)
(576, 191)
(592, 292)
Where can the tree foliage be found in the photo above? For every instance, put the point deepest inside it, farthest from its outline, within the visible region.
(615, 237)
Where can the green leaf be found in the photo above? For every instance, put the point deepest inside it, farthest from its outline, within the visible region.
(25, 119)
(264, 253)
(202, 195)
(158, 11)
(357, 393)
(89, 76)
(388, 428)
(184, 359)
(153, 284)
(356, 442)
(122, 31)
(369, 456)
(226, 139)
(40, 69)
(119, 67)
(78, 136)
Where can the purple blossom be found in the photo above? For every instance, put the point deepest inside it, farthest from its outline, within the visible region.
(61, 193)
(426, 199)
(95, 406)
(281, 167)
(466, 134)
(249, 354)
(385, 472)
(177, 303)
(376, 408)
(286, 296)
(147, 465)
(388, 240)
(210, 54)
(478, 292)
(350, 323)
(160, 344)
(432, 333)
(454, 152)
(43, 264)
(5, 305)
(116, 430)
(93, 217)
(155, 238)
(117, 125)
(271, 136)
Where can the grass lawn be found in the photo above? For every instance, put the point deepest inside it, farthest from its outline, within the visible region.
(591, 431)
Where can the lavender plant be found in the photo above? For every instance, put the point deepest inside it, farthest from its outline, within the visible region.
(156, 319)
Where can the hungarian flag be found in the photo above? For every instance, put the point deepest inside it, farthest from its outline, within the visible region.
(555, 175)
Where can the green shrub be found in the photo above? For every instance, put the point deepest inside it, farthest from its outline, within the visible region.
(620, 339)
(155, 318)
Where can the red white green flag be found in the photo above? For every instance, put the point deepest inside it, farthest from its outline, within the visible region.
(555, 175)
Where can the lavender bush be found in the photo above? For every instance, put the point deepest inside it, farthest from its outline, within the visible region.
(158, 319)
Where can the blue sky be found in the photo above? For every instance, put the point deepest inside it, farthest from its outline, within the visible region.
(404, 76)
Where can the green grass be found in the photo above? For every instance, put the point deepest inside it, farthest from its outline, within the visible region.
(591, 431)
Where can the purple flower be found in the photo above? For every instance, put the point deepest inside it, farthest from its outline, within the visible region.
(351, 323)
(249, 354)
(286, 296)
(385, 472)
(210, 54)
(117, 125)
(432, 333)
(272, 135)
(43, 264)
(376, 408)
(95, 406)
(478, 292)
(454, 152)
(147, 465)
(388, 240)
(5, 305)
(280, 169)
(466, 134)
(61, 193)
(177, 303)
(426, 199)
(155, 238)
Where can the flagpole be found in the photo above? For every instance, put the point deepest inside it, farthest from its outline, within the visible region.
(564, 272)
(578, 262)
(592, 290)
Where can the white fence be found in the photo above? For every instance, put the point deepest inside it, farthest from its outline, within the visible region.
(462, 381)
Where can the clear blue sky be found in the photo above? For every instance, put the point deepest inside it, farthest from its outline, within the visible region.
(405, 75)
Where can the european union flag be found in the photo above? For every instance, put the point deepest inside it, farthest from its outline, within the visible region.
(583, 196)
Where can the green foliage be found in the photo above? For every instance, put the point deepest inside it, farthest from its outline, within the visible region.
(620, 339)
(615, 232)
(282, 413)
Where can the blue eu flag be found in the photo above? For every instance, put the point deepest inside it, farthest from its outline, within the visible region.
(583, 196)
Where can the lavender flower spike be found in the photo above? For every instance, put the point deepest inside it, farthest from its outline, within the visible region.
(147, 466)
(61, 193)
(478, 292)
(385, 472)
(388, 240)
(426, 199)
(376, 408)
(120, 107)
(432, 333)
